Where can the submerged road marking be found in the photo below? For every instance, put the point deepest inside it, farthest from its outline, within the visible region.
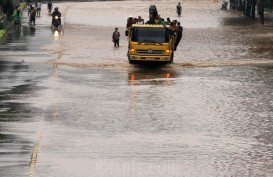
(34, 154)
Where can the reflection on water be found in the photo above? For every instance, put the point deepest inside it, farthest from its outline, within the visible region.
(17, 123)
(29, 30)
(143, 96)
(57, 34)
(205, 124)
(142, 76)
(32, 30)
(151, 74)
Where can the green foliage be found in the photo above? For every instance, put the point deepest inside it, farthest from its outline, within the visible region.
(22, 5)
(268, 3)
(2, 33)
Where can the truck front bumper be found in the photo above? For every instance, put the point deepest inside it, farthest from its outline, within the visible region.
(149, 58)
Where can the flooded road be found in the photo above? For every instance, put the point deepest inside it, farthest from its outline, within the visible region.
(72, 106)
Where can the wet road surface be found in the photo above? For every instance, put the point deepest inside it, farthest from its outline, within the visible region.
(72, 106)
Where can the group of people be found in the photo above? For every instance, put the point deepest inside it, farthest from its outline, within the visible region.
(131, 20)
(178, 30)
(158, 20)
(174, 25)
(35, 11)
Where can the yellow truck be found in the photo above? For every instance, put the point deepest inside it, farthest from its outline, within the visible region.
(150, 42)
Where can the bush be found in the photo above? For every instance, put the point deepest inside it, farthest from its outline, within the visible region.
(22, 5)
(2, 22)
(2, 33)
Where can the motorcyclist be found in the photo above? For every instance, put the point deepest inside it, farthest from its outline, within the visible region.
(56, 13)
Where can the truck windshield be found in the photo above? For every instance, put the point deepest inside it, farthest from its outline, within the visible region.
(153, 35)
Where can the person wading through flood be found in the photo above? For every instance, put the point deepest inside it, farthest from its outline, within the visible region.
(115, 37)
(49, 6)
(32, 17)
(178, 9)
(39, 5)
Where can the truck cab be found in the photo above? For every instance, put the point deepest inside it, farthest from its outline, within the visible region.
(150, 43)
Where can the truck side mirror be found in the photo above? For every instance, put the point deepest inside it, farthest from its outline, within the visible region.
(126, 32)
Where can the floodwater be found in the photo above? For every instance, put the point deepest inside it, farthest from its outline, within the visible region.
(72, 106)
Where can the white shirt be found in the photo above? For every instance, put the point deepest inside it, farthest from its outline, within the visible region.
(39, 5)
(140, 22)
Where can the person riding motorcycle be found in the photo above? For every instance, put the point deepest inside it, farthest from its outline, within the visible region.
(56, 13)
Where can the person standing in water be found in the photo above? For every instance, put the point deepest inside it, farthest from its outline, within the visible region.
(39, 5)
(179, 9)
(115, 37)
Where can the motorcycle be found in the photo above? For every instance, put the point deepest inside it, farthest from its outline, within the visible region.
(224, 5)
(56, 25)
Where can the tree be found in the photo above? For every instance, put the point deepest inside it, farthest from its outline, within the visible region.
(267, 3)
(253, 7)
(6, 7)
(3, 2)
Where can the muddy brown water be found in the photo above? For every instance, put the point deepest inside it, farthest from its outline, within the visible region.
(71, 105)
